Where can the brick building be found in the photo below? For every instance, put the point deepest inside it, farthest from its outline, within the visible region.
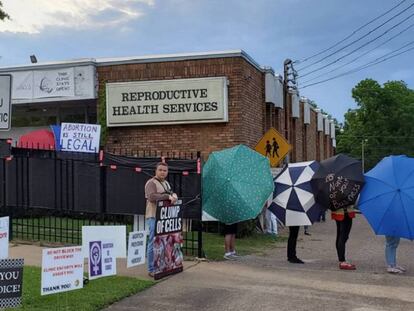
(194, 102)
(251, 112)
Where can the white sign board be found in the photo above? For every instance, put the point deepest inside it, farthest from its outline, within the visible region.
(54, 83)
(79, 137)
(117, 234)
(178, 101)
(101, 259)
(5, 102)
(136, 248)
(62, 270)
(4, 237)
(67, 83)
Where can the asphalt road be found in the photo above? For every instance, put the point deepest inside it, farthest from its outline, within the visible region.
(271, 283)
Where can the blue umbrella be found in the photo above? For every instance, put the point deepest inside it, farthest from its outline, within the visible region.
(293, 200)
(387, 199)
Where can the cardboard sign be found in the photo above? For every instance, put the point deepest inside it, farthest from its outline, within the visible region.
(62, 270)
(136, 248)
(168, 217)
(273, 146)
(168, 256)
(117, 234)
(78, 137)
(101, 259)
(11, 283)
(4, 237)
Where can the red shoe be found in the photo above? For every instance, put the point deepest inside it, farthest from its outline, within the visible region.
(346, 266)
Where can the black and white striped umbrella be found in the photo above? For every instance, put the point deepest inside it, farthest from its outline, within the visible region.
(293, 199)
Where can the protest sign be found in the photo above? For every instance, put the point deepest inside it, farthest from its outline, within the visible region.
(78, 137)
(62, 270)
(136, 248)
(11, 282)
(117, 235)
(168, 257)
(101, 259)
(4, 237)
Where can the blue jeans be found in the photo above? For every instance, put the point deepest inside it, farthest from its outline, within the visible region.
(391, 244)
(150, 243)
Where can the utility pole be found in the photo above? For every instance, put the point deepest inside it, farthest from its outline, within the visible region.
(289, 83)
(363, 153)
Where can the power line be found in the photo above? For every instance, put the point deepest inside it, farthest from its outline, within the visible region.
(373, 136)
(360, 56)
(357, 40)
(362, 67)
(353, 33)
(358, 48)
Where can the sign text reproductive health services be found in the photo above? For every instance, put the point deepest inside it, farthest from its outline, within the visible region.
(178, 101)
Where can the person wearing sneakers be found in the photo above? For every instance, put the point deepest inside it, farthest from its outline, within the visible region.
(343, 218)
(391, 245)
(156, 189)
(230, 232)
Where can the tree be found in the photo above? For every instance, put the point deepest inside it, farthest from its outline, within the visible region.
(3, 15)
(383, 123)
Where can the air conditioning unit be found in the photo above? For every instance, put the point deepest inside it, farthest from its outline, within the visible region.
(274, 89)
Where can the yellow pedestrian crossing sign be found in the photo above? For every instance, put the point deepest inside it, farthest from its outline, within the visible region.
(273, 146)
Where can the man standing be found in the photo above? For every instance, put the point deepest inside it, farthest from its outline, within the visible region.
(156, 189)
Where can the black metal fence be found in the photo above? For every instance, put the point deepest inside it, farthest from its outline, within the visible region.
(50, 195)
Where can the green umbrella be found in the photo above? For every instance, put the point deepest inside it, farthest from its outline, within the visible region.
(236, 184)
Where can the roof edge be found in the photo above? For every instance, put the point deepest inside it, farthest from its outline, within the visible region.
(177, 57)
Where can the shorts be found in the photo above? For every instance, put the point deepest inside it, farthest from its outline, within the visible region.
(230, 229)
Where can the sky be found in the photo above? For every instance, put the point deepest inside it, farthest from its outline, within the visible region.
(270, 31)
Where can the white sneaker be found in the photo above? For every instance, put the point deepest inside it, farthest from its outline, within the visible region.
(394, 270)
(229, 256)
(401, 268)
(235, 255)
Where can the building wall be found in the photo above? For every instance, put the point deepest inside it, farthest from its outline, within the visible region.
(249, 116)
(246, 106)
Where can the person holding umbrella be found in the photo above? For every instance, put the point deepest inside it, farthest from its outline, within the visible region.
(237, 182)
(387, 202)
(343, 218)
(336, 186)
(230, 232)
(294, 203)
(391, 245)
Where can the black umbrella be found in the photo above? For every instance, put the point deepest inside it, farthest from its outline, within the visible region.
(337, 182)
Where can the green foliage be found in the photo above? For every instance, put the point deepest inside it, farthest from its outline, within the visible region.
(3, 15)
(102, 113)
(383, 123)
(96, 295)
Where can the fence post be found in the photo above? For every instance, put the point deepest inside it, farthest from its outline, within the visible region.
(102, 182)
(200, 227)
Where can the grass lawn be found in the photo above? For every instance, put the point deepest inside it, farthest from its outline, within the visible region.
(53, 229)
(213, 244)
(96, 295)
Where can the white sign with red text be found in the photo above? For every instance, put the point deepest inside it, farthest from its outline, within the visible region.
(62, 270)
(4, 237)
